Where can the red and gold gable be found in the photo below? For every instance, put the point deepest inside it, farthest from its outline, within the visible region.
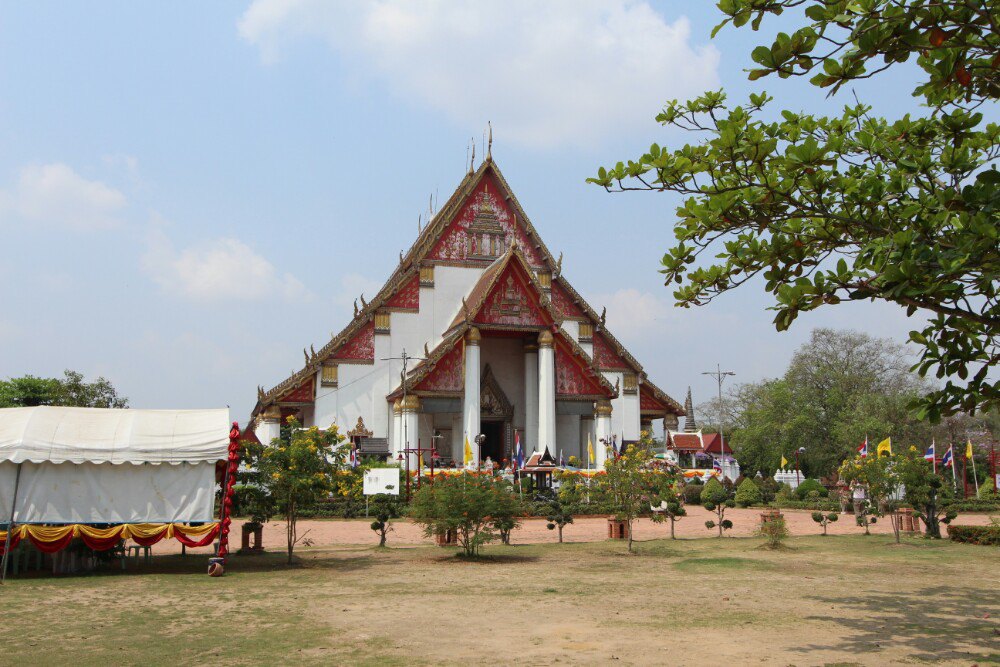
(574, 376)
(448, 373)
(361, 347)
(564, 304)
(513, 301)
(455, 245)
(304, 393)
(407, 297)
(648, 402)
(605, 356)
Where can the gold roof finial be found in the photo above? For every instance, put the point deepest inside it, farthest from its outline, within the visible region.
(489, 144)
(472, 162)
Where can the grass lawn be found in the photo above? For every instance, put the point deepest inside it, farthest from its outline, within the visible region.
(835, 600)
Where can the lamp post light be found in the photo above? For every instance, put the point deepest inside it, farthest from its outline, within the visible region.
(800, 450)
(479, 440)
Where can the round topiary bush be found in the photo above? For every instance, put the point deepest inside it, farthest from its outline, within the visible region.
(809, 485)
(748, 493)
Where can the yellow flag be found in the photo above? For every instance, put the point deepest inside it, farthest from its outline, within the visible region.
(968, 450)
(784, 461)
(420, 462)
(590, 449)
(468, 452)
(884, 447)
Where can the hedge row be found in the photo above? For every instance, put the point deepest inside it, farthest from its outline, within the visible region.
(984, 535)
(976, 505)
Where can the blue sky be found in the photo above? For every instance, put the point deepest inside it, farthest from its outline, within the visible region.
(190, 193)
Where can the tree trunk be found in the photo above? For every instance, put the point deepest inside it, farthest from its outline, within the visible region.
(560, 533)
(672, 528)
(629, 523)
(719, 514)
(381, 541)
(290, 519)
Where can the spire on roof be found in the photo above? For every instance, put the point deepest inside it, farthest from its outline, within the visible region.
(689, 424)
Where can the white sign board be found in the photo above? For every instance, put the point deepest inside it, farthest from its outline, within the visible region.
(381, 480)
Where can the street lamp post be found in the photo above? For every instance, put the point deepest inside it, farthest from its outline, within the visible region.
(800, 450)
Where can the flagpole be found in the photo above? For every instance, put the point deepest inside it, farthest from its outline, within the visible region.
(934, 457)
(975, 478)
(954, 476)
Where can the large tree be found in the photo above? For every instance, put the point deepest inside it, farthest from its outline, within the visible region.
(840, 387)
(852, 206)
(71, 390)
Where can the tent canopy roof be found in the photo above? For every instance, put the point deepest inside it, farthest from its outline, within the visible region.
(98, 435)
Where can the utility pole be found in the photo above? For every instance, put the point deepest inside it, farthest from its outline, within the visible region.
(406, 359)
(720, 377)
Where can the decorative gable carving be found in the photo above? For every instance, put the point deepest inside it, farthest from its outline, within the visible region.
(301, 394)
(564, 303)
(605, 356)
(493, 402)
(407, 297)
(574, 377)
(483, 229)
(360, 348)
(448, 374)
(513, 301)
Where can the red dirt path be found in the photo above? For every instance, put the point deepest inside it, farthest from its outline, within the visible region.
(332, 532)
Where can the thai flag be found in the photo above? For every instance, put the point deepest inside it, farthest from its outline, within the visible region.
(562, 464)
(518, 452)
(716, 466)
(354, 457)
(929, 454)
(863, 449)
(948, 459)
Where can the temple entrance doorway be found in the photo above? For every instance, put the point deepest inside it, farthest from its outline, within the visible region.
(493, 445)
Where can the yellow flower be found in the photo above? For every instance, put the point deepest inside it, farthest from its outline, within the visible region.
(276, 475)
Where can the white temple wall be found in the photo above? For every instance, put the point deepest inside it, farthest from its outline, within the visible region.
(572, 328)
(617, 405)
(631, 426)
(451, 283)
(352, 398)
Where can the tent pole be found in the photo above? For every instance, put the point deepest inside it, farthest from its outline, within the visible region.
(10, 526)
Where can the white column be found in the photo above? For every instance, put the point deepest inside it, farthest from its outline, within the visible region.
(546, 394)
(602, 431)
(397, 430)
(269, 427)
(530, 398)
(410, 408)
(470, 400)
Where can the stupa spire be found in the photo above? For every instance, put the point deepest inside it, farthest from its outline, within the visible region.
(690, 426)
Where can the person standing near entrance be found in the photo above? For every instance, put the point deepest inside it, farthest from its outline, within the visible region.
(858, 496)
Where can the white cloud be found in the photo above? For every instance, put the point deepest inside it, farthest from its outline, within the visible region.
(564, 72)
(54, 194)
(217, 269)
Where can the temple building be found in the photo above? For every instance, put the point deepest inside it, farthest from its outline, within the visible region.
(700, 454)
(500, 344)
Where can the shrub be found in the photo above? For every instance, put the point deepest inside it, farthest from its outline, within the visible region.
(768, 487)
(824, 519)
(748, 493)
(715, 498)
(982, 535)
(466, 504)
(784, 492)
(574, 462)
(773, 531)
(822, 504)
(692, 494)
(808, 486)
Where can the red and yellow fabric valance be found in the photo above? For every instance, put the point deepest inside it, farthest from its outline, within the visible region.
(54, 538)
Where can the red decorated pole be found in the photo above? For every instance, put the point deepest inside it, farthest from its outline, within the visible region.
(228, 482)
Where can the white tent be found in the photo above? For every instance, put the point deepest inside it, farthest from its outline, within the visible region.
(92, 465)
